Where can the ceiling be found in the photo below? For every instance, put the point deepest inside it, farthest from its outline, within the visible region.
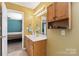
(31, 5)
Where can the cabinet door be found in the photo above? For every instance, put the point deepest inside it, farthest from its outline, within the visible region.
(61, 10)
(51, 12)
(40, 48)
(26, 42)
(30, 48)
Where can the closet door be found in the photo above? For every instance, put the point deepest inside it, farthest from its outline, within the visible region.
(4, 30)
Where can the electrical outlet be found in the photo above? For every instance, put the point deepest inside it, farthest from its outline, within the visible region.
(63, 32)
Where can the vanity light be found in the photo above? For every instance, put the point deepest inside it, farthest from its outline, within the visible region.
(39, 10)
(43, 12)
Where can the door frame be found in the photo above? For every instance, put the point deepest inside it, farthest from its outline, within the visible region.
(11, 10)
(4, 32)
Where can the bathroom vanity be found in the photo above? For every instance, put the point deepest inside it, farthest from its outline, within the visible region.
(35, 45)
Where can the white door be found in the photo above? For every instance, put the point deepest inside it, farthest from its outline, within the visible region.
(4, 29)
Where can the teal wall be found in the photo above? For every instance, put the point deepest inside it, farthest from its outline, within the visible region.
(14, 25)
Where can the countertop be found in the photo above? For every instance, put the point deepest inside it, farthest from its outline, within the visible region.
(36, 38)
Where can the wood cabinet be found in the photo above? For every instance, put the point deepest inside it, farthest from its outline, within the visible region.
(61, 10)
(51, 12)
(59, 13)
(37, 48)
(28, 44)
(30, 47)
(40, 48)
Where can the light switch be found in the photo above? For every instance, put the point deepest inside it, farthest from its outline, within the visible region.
(63, 32)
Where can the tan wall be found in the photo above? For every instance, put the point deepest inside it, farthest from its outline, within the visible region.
(60, 45)
(29, 18)
(28, 15)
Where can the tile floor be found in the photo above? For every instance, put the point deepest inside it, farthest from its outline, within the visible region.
(18, 53)
(14, 45)
(15, 49)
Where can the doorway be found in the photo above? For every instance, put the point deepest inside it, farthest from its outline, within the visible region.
(15, 27)
(5, 31)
